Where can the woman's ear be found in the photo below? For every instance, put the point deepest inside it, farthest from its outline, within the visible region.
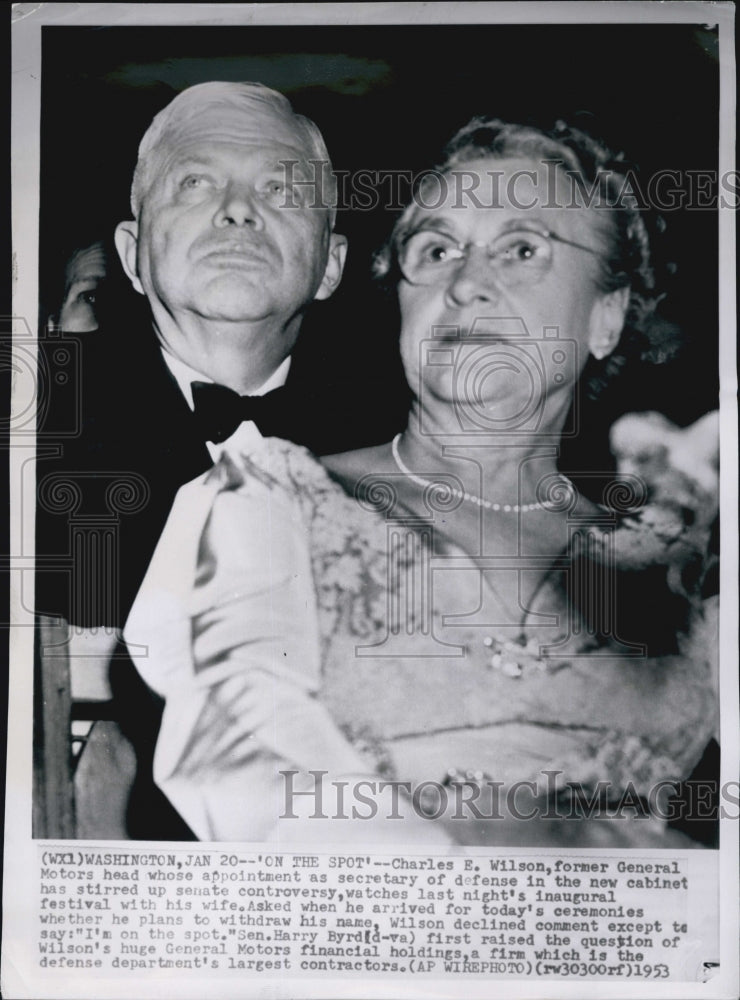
(607, 321)
(127, 240)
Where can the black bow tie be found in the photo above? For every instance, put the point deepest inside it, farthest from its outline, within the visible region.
(218, 411)
(328, 418)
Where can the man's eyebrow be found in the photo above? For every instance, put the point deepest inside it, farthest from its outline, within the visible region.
(190, 160)
(284, 163)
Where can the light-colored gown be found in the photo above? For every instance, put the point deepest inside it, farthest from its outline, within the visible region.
(292, 628)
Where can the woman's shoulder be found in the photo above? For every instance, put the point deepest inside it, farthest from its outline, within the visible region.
(347, 536)
(331, 475)
(328, 500)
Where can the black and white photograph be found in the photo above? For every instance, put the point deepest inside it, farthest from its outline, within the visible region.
(374, 406)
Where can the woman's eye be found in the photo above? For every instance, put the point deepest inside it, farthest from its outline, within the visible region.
(436, 252)
(522, 249)
(88, 297)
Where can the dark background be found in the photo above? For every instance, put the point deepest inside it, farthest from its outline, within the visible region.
(387, 98)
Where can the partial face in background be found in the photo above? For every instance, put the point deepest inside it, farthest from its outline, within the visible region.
(85, 276)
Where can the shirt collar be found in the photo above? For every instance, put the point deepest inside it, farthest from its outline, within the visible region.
(184, 375)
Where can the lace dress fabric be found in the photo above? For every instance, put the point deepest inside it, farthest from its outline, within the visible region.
(288, 625)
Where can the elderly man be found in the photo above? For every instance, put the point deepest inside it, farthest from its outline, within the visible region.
(226, 250)
(232, 239)
(230, 243)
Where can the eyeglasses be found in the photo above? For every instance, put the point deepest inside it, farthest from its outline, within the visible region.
(428, 257)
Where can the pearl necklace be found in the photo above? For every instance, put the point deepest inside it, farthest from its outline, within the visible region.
(515, 508)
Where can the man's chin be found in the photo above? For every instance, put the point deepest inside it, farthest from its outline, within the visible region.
(234, 314)
(234, 301)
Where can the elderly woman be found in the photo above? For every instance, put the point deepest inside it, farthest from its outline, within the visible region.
(449, 642)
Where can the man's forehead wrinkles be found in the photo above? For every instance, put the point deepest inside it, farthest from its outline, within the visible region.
(225, 153)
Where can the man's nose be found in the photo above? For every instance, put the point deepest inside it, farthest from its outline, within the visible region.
(474, 280)
(238, 208)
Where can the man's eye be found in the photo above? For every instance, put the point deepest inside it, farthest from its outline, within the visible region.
(193, 181)
(274, 188)
(88, 297)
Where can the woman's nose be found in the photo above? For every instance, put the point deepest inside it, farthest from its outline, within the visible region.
(475, 280)
(238, 208)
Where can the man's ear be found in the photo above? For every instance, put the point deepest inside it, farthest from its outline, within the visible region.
(127, 240)
(334, 266)
(607, 321)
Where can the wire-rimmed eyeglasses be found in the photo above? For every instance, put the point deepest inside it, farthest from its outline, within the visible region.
(521, 257)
